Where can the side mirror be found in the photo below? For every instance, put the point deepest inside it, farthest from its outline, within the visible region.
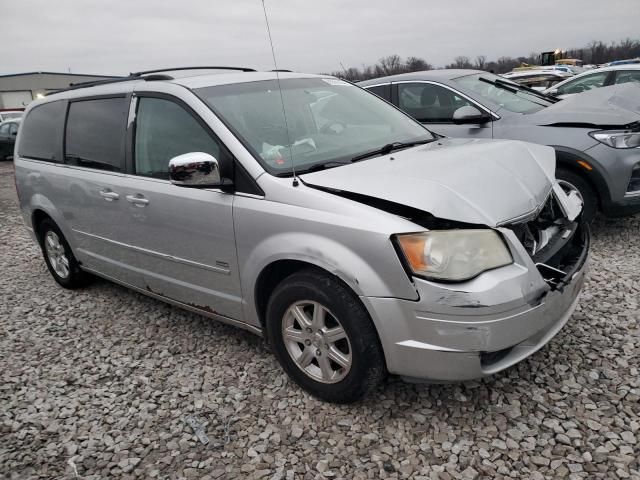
(553, 92)
(195, 169)
(469, 114)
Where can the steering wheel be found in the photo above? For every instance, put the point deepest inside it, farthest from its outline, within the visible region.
(334, 127)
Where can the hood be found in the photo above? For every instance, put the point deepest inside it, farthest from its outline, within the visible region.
(485, 182)
(606, 107)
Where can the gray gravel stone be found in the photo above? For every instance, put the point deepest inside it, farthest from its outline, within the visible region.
(103, 378)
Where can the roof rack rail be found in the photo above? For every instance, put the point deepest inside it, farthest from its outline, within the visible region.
(95, 83)
(146, 72)
(148, 75)
(281, 70)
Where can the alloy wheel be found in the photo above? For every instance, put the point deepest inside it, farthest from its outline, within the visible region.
(56, 254)
(569, 187)
(316, 341)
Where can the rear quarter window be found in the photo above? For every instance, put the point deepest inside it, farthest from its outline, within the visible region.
(383, 91)
(41, 136)
(95, 135)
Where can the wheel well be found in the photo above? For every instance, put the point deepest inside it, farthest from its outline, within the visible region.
(276, 272)
(37, 218)
(270, 278)
(569, 161)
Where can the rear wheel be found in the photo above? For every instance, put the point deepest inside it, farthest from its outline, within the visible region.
(570, 181)
(62, 265)
(323, 337)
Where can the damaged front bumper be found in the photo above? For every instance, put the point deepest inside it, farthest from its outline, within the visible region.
(479, 327)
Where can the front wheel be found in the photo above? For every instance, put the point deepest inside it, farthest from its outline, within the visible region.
(570, 181)
(323, 337)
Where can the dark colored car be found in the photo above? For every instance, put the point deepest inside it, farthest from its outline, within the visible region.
(8, 134)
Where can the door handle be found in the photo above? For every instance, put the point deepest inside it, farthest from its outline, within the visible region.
(109, 195)
(138, 200)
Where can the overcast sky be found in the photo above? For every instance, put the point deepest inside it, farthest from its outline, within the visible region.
(115, 37)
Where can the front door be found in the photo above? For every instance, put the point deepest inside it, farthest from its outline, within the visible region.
(433, 105)
(183, 238)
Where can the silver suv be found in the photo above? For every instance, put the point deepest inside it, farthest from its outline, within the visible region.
(596, 135)
(389, 250)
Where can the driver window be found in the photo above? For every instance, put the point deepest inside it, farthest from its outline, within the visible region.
(429, 103)
(165, 130)
(583, 84)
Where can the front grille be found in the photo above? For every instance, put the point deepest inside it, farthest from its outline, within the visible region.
(555, 244)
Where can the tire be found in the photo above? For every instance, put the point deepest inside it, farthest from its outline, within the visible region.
(569, 180)
(61, 262)
(360, 367)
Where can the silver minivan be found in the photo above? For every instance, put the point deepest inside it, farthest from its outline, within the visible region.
(306, 210)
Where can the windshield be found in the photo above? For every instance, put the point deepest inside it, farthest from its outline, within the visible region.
(504, 93)
(329, 121)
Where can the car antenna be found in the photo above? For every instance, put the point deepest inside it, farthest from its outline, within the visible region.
(284, 111)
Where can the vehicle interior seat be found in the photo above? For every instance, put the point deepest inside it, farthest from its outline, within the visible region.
(436, 104)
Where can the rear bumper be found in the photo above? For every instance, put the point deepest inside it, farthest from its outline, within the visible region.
(477, 328)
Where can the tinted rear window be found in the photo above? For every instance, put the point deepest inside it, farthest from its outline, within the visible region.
(95, 134)
(42, 132)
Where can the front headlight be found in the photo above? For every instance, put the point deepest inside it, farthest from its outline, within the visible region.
(453, 255)
(617, 138)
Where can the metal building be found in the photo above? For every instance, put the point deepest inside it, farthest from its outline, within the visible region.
(17, 90)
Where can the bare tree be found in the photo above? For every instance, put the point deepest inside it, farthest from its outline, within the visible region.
(596, 52)
(505, 64)
(481, 62)
(352, 74)
(461, 62)
(391, 65)
(416, 64)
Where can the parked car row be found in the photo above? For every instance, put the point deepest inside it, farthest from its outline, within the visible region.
(555, 80)
(564, 80)
(597, 78)
(538, 79)
(347, 229)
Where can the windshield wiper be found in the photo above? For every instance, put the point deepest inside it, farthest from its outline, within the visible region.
(538, 93)
(497, 83)
(514, 88)
(388, 148)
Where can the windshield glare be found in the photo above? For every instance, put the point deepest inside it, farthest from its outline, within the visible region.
(328, 120)
(520, 101)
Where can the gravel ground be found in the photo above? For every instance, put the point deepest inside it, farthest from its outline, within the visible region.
(100, 383)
